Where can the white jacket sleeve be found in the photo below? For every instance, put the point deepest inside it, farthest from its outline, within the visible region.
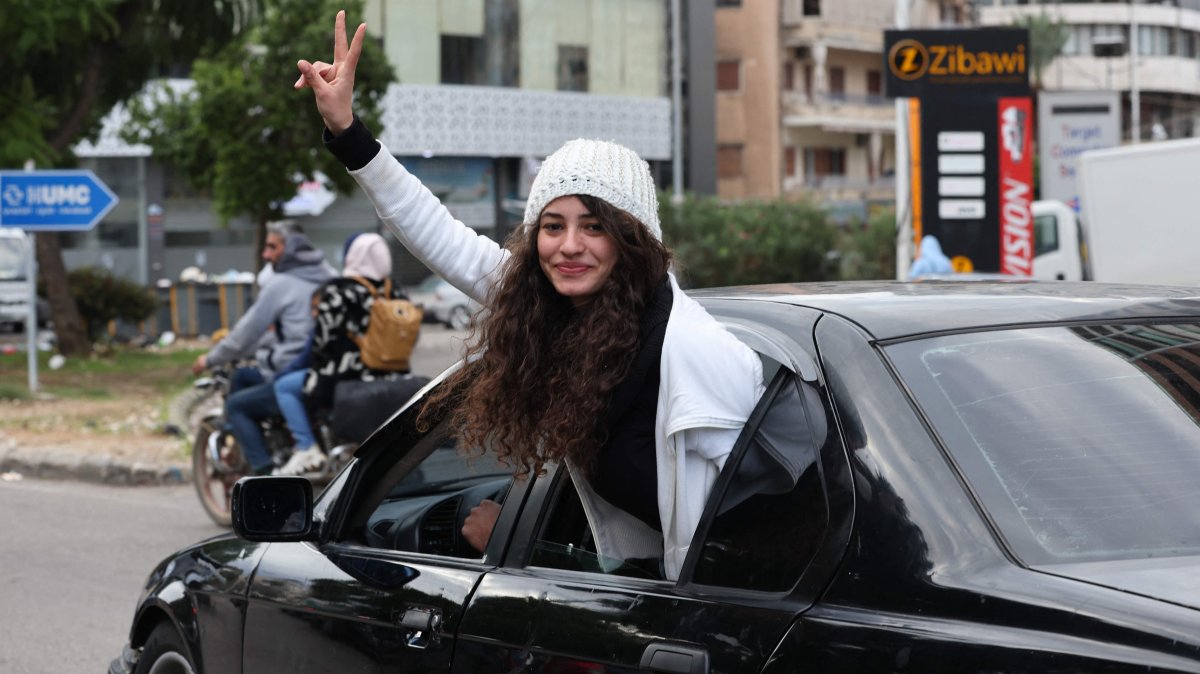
(454, 251)
(710, 382)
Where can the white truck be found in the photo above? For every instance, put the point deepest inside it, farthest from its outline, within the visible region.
(1141, 218)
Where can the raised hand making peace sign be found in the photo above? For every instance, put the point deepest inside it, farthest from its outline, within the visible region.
(333, 84)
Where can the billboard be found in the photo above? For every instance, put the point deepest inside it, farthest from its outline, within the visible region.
(987, 61)
(1069, 124)
(975, 181)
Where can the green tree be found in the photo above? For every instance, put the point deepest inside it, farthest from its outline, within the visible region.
(243, 132)
(66, 63)
(1047, 37)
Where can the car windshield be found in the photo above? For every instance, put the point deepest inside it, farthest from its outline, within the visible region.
(1082, 443)
(12, 260)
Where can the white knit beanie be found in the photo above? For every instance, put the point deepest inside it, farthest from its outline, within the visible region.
(599, 169)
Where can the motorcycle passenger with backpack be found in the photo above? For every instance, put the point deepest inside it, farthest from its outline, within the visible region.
(363, 337)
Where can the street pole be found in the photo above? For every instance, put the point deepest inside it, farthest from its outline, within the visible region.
(143, 256)
(676, 104)
(904, 233)
(31, 315)
(1135, 98)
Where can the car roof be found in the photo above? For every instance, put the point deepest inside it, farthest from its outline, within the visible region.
(894, 310)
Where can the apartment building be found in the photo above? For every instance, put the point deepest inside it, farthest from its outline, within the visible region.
(1099, 55)
(486, 89)
(800, 104)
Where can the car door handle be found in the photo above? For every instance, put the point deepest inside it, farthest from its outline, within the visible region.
(420, 626)
(673, 658)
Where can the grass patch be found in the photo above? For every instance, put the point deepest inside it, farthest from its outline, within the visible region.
(121, 371)
(9, 392)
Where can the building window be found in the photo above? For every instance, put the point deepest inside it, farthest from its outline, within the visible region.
(462, 60)
(874, 84)
(789, 76)
(837, 82)
(729, 3)
(823, 162)
(789, 161)
(729, 161)
(729, 75)
(808, 80)
(572, 68)
(812, 7)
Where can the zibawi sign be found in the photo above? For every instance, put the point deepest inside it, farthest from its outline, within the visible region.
(990, 61)
(1016, 187)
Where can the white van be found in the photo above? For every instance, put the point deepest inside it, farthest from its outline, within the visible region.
(14, 281)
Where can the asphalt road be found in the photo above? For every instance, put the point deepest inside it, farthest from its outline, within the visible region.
(73, 557)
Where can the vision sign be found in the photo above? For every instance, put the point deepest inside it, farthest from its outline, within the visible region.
(984, 60)
(53, 200)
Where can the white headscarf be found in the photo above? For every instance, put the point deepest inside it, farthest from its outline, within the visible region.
(368, 257)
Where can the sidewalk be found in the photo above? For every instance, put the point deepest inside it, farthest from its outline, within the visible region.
(18, 463)
(119, 461)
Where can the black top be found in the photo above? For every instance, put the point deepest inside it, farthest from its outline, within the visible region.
(626, 473)
(355, 147)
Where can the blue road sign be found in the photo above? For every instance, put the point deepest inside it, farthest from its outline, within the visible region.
(53, 201)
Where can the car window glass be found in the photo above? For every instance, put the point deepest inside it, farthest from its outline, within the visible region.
(423, 510)
(1045, 234)
(12, 259)
(769, 510)
(565, 539)
(1079, 441)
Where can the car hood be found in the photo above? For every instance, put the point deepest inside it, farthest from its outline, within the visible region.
(1175, 580)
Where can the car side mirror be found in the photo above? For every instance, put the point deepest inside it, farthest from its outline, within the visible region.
(270, 509)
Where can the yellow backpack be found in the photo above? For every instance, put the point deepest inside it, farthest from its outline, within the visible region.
(392, 330)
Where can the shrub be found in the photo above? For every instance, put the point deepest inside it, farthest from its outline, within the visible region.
(748, 242)
(102, 297)
(868, 251)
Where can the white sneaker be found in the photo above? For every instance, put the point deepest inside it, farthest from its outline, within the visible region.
(304, 461)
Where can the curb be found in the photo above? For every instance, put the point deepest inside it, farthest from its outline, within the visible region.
(63, 465)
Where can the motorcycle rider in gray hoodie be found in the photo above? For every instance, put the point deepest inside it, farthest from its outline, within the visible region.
(285, 304)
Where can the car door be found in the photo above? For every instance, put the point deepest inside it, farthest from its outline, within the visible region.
(385, 588)
(767, 544)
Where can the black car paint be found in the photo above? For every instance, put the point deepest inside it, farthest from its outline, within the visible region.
(918, 582)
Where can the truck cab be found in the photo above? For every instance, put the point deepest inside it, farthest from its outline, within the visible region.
(1059, 252)
(14, 278)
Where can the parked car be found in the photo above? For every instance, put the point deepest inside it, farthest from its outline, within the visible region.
(940, 477)
(444, 303)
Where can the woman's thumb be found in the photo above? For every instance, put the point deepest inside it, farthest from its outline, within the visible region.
(307, 74)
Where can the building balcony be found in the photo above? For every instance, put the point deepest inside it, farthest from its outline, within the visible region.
(855, 26)
(833, 188)
(839, 112)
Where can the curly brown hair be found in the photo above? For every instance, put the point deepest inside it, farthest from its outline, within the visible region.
(542, 371)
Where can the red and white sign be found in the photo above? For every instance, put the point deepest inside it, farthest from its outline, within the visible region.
(1016, 185)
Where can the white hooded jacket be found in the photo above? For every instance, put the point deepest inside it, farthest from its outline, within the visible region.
(709, 381)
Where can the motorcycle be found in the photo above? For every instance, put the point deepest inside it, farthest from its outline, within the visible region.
(218, 461)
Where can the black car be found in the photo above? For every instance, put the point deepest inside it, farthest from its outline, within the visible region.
(941, 477)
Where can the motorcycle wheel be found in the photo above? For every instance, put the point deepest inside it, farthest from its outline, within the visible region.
(214, 477)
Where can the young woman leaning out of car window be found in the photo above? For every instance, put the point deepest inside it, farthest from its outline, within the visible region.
(589, 353)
